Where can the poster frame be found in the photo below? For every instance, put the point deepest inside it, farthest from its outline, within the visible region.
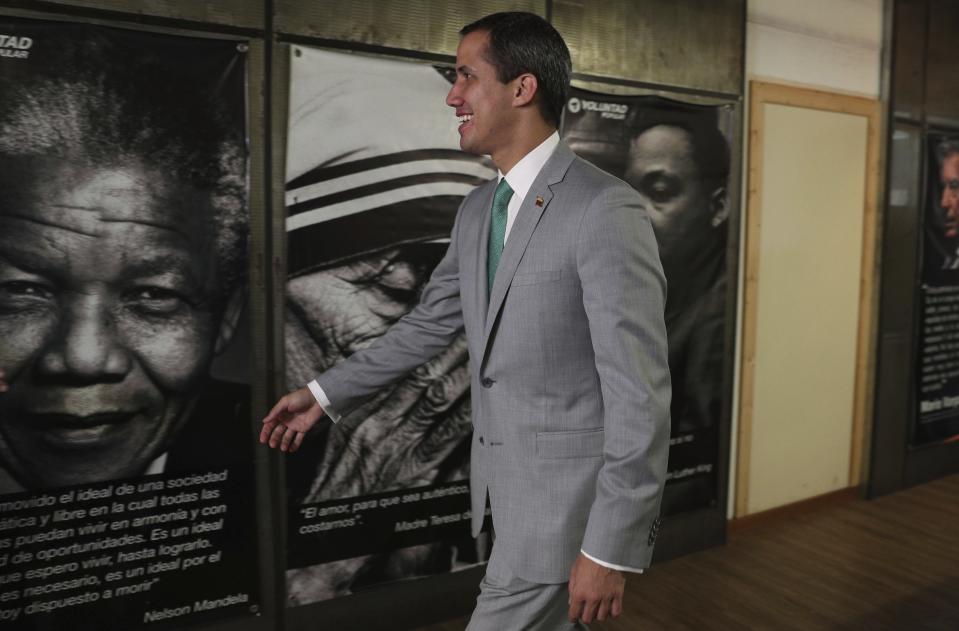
(265, 462)
(938, 130)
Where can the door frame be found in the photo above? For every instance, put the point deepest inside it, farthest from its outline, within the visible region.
(761, 94)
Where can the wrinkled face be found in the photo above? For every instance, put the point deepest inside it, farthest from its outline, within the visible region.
(482, 103)
(950, 195)
(333, 313)
(662, 169)
(106, 317)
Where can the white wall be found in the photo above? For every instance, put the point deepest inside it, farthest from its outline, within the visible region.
(832, 45)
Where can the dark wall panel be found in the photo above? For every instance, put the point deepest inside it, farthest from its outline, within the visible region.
(892, 414)
(901, 237)
(923, 88)
(419, 25)
(240, 13)
(942, 77)
(400, 605)
(692, 44)
(910, 49)
(930, 463)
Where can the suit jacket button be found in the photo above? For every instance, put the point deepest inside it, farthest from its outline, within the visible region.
(481, 440)
(487, 382)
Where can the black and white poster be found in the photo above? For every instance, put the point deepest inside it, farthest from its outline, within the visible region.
(677, 156)
(125, 436)
(937, 413)
(374, 179)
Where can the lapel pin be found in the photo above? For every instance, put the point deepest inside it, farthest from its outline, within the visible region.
(539, 200)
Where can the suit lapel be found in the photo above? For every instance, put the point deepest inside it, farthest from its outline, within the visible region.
(482, 246)
(527, 218)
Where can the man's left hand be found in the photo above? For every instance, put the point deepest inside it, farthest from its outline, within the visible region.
(595, 592)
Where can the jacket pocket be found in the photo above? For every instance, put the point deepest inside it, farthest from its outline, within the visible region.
(585, 443)
(536, 277)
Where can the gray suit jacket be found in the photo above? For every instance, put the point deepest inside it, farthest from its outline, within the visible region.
(570, 384)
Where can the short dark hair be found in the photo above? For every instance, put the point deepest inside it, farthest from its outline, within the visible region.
(112, 110)
(524, 42)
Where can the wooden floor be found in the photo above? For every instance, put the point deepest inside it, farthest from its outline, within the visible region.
(890, 563)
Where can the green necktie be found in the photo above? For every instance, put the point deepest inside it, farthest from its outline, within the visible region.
(497, 230)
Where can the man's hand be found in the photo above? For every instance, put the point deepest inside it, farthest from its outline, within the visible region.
(4, 386)
(595, 592)
(290, 419)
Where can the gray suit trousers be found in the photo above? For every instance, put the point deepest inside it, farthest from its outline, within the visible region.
(509, 603)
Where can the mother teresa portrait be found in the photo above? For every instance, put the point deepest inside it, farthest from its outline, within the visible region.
(374, 180)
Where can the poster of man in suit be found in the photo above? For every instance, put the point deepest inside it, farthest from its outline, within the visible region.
(677, 156)
(123, 258)
(937, 375)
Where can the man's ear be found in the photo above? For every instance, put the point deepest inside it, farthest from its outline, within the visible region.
(231, 316)
(525, 89)
(719, 205)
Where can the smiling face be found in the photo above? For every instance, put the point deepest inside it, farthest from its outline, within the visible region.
(483, 104)
(108, 316)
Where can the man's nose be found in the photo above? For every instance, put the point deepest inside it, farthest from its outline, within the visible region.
(453, 98)
(950, 202)
(88, 347)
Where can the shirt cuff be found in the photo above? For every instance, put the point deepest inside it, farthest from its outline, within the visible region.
(613, 566)
(322, 399)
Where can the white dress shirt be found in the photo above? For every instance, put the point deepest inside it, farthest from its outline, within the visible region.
(520, 178)
(522, 175)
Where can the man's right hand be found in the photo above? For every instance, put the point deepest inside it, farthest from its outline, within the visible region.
(4, 386)
(290, 419)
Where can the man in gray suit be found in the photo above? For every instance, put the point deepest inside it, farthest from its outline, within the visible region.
(554, 274)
